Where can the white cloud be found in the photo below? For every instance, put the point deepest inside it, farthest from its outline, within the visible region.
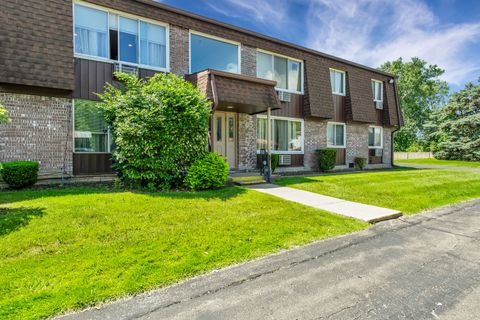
(272, 13)
(374, 31)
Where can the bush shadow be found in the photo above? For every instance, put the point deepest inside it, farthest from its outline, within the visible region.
(12, 219)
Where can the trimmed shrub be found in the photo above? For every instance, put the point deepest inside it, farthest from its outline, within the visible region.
(20, 174)
(275, 160)
(207, 173)
(326, 159)
(360, 162)
(160, 127)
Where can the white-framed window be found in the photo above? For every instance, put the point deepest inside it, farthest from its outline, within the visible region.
(337, 81)
(377, 91)
(91, 132)
(336, 134)
(287, 135)
(209, 52)
(111, 36)
(288, 72)
(375, 137)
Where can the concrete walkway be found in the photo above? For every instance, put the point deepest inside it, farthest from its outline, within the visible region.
(430, 166)
(351, 209)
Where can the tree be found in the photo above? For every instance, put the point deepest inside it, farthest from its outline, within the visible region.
(3, 115)
(160, 127)
(454, 131)
(420, 92)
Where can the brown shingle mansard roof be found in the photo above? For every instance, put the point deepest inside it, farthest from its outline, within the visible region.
(259, 35)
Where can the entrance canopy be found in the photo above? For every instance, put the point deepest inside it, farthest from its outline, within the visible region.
(236, 93)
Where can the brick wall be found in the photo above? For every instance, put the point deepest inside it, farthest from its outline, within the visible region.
(247, 142)
(357, 142)
(315, 138)
(249, 61)
(40, 130)
(179, 50)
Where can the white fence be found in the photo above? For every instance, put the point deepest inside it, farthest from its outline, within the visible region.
(412, 155)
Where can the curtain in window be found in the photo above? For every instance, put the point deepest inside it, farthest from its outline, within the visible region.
(264, 66)
(294, 76)
(280, 68)
(261, 134)
(90, 31)
(280, 137)
(152, 45)
(337, 81)
(295, 136)
(375, 137)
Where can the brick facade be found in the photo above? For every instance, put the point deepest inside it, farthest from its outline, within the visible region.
(247, 142)
(249, 61)
(315, 138)
(179, 50)
(40, 130)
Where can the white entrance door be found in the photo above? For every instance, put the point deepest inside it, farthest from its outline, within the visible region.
(225, 136)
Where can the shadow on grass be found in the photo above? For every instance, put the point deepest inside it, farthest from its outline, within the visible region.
(10, 196)
(12, 219)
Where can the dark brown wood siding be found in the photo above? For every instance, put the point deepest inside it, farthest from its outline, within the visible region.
(292, 109)
(380, 119)
(91, 77)
(339, 106)
(297, 161)
(340, 157)
(92, 163)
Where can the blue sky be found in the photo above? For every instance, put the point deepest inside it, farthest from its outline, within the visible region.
(443, 32)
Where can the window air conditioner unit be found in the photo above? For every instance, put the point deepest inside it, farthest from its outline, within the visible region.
(284, 159)
(126, 69)
(379, 105)
(284, 96)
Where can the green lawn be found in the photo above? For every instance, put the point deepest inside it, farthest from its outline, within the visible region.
(435, 162)
(70, 248)
(409, 191)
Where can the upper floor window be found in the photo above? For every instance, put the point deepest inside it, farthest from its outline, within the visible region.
(337, 81)
(287, 72)
(377, 90)
(211, 53)
(375, 137)
(111, 36)
(91, 31)
(336, 133)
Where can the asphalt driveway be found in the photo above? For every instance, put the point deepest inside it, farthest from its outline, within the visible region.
(418, 267)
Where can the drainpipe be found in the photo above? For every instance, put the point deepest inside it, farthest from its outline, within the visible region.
(269, 145)
(397, 101)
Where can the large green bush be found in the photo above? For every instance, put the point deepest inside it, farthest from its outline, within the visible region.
(3, 115)
(20, 174)
(207, 173)
(160, 127)
(326, 159)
